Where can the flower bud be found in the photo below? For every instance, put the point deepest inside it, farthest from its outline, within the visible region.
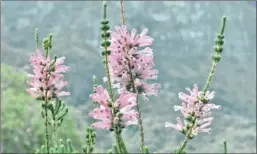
(219, 41)
(105, 43)
(105, 34)
(218, 48)
(220, 36)
(216, 57)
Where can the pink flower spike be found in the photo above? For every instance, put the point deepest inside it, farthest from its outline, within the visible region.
(46, 78)
(125, 61)
(192, 107)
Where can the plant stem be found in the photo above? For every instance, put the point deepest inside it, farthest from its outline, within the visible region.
(119, 139)
(184, 143)
(140, 122)
(218, 49)
(46, 111)
(54, 132)
(225, 147)
(120, 143)
(122, 12)
(46, 123)
(210, 76)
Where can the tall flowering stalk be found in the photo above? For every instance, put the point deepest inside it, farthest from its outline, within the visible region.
(114, 115)
(130, 67)
(196, 106)
(46, 82)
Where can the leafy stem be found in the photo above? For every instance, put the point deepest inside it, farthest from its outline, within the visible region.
(105, 44)
(216, 55)
(215, 59)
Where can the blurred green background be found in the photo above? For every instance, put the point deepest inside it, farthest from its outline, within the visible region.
(184, 33)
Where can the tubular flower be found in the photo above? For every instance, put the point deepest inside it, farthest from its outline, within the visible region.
(47, 78)
(127, 62)
(124, 104)
(196, 109)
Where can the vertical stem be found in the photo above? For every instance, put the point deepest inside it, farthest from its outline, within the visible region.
(107, 72)
(46, 111)
(119, 139)
(54, 132)
(120, 143)
(46, 123)
(225, 147)
(122, 12)
(140, 122)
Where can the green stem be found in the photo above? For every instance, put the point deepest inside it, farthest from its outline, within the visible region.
(140, 122)
(120, 143)
(46, 124)
(46, 108)
(209, 79)
(184, 143)
(54, 132)
(215, 61)
(107, 72)
(119, 139)
(225, 147)
(36, 38)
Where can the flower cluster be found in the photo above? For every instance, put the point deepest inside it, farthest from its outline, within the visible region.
(46, 82)
(126, 62)
(196, 110)
(122, 107)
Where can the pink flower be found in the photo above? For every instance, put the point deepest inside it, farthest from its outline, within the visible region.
(124, 104)
(47, 80)
(196, 105)
(126, 60)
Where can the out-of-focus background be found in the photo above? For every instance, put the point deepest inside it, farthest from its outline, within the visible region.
(184, 34)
